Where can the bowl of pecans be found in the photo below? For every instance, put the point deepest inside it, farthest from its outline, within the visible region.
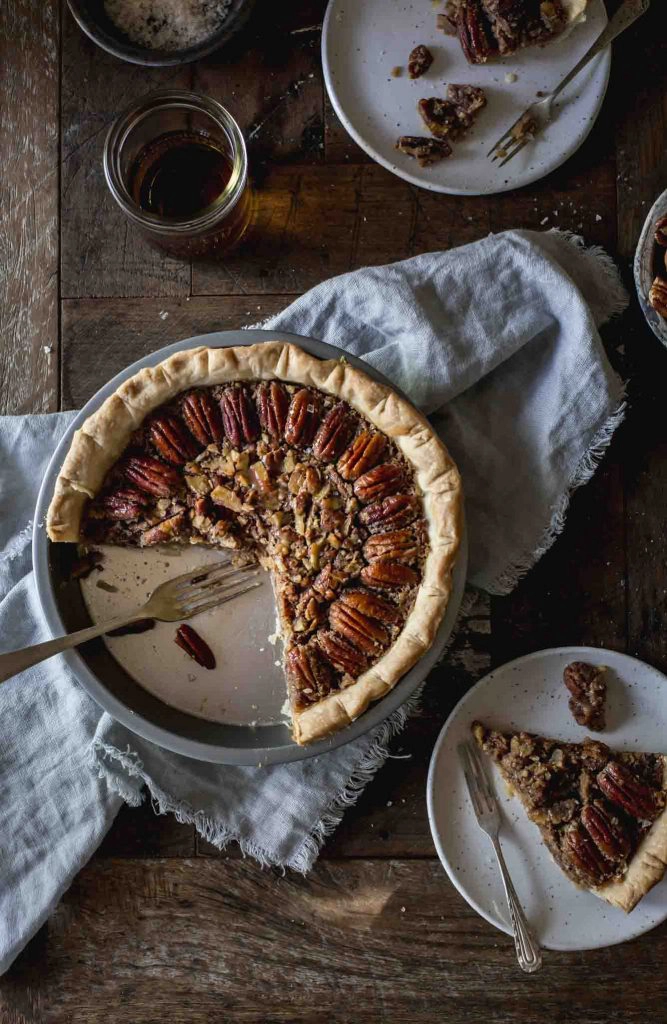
(160, 33)
(650, 268)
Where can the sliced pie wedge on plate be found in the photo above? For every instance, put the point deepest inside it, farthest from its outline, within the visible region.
(601, 813)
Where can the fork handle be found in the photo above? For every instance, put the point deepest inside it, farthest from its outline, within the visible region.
(528, 951)
(14, 662)
(625, 16)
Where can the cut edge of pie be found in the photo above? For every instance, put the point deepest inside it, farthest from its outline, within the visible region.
(610, 829)
(97, 446)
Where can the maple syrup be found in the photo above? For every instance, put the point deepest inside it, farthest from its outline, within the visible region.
(176, 164)
(179, 175)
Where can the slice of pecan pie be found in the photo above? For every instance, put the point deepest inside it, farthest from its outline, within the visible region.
(497, 28)
(332, 482)
(601, 813)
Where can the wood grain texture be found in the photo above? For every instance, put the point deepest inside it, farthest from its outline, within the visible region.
(160, 924)
(29, 56)
(103, 336)
(201, 940)
(101, 254)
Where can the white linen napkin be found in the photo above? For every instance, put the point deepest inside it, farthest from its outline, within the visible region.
(500, 346)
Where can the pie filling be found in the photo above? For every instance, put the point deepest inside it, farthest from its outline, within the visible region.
(298, 481)
(497, 28)
(592, 805)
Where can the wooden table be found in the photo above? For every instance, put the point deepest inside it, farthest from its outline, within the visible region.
(160, 925)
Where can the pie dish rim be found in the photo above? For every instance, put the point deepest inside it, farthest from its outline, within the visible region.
(218, 340)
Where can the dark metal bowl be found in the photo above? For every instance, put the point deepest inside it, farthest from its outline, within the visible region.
(117, 692)
(92, 18)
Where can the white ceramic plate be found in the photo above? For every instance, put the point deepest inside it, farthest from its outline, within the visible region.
(529, 694)
(362, 40)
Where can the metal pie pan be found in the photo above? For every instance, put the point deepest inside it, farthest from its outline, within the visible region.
(117, 692)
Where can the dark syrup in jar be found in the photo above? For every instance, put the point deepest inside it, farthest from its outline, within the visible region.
(178, 177)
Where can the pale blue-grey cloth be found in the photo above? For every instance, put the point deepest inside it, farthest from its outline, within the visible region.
(498, 342)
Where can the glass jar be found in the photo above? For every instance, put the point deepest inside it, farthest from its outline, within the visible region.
(177, 166)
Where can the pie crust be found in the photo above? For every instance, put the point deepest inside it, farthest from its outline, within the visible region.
(102, 439)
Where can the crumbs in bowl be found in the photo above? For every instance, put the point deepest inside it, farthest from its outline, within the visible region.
(167, 24)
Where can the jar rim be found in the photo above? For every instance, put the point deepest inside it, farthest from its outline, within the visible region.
(131, 117)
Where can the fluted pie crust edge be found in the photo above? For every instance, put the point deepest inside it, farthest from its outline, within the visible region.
(101, 440)
(646, 868)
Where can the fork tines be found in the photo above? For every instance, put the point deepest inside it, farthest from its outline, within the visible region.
(518, 139)
(205, 589)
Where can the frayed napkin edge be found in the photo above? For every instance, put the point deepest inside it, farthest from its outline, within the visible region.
(219, 835)
(510, 577)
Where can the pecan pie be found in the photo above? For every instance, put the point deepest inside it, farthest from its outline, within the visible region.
(497, 28)
(601, 813)
(332, 482)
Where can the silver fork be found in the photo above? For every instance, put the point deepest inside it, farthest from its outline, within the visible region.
(180, 598)
(538, 115)
(487, 813)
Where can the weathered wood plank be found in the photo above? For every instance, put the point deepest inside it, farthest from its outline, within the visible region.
(29, 35)
(639, 86)
(642, 174)
(140, 832)
(103, 336)
(270, 79)
(576, 593)
(101, 253)
(312, 222)
(364, 941)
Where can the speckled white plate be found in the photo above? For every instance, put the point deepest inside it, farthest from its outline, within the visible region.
(363, 41)
(529, 694)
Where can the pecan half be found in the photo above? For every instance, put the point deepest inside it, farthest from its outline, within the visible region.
(164, 531)
(203, 418)
(581, 851)
(171, 440)
(302, 418)
(82, 567)
(606, 832)
(341, 653)
(588, 687)
(372, 606)
(385, 572)
(238, 416)
(424, 151)
(625, 790)
(440, 117)
(328, 582)
(661, 232)
(390, 513)
(379, 482)
(657, 296)
(310, 677)
(401, 545)
(334, 433)
(364, 453)
(359, 629)
(152, 475)
(419, 61)
(122, 504)
(193, 645)
(273, 408)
